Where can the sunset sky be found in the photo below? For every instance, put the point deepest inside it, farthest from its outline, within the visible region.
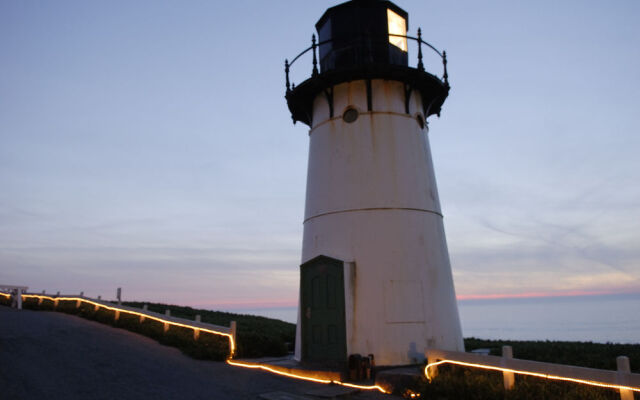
(147, 145)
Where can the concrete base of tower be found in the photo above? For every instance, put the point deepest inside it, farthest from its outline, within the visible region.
(398, 289)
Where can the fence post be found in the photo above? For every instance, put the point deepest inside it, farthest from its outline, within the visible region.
(433, 371)
(166, 325)
(117, 315)
(233, 328)
(77, 303)
(509, 378)
(40, 300)
(19, 298)
(196, 331)
(145, 307)
(624, 367)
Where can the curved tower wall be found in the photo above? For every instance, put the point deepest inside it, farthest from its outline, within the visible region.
(372, 202)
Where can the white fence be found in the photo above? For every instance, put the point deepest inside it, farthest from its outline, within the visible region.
(622, 379)
(166, 319)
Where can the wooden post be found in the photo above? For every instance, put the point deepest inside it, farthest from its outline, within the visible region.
(40, 300)
(117, 315)
(623, 366)
(55, 303)
(78, 303)
(433, 371)
(166, 325)
(233, 327)
(144, 308)
(196, 331)
(508, 377)
(19, 298)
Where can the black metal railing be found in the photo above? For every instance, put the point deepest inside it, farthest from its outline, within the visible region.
(315, 72)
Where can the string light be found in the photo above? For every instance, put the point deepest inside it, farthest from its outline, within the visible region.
(304, 377)
(535, 374)
(232, 344)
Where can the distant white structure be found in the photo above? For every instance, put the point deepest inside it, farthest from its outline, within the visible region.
(375, 273)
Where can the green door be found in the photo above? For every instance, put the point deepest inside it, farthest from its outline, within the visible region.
(323, 326)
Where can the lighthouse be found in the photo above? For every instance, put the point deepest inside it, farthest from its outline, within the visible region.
(375, 276)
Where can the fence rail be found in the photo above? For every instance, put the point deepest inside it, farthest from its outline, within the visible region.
(623, 379)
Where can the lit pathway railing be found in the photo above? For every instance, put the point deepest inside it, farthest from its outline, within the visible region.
(166, 320)
(622, 379)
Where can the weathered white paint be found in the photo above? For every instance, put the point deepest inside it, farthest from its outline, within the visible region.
(372, 201)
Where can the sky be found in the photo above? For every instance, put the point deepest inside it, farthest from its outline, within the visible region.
(147, 145)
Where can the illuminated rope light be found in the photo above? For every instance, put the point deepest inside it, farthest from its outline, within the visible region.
(303, 377)
(232, 344)
(535, 374)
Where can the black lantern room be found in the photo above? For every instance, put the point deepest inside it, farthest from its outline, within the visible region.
(359, 33)
(364, 40)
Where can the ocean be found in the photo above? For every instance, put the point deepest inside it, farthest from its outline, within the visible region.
(602, 319)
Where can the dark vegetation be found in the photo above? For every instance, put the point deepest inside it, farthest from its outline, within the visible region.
(455, 382)
(256, 336)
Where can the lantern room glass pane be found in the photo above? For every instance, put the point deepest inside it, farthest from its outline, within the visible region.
(397, 26)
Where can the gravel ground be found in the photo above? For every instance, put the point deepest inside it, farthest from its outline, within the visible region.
(48, 355)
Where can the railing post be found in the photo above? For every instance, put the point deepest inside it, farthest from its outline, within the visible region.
(78, 303)
(145, 307)
(233, 328)
(315, 60)
(40, 299)
(286, 73)
(420, 64)
(117, 315)
(196, 331)
(433, 371)
(509, 378)
(444, 63)
(166, 325)
(624, 367)
(19, 298)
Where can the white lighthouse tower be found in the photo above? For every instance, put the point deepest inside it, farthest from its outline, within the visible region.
(375, 275)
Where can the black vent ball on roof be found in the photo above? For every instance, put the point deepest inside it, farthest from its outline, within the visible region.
(357, 34)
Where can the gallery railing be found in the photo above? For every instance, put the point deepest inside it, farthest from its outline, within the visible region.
(314, 46)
